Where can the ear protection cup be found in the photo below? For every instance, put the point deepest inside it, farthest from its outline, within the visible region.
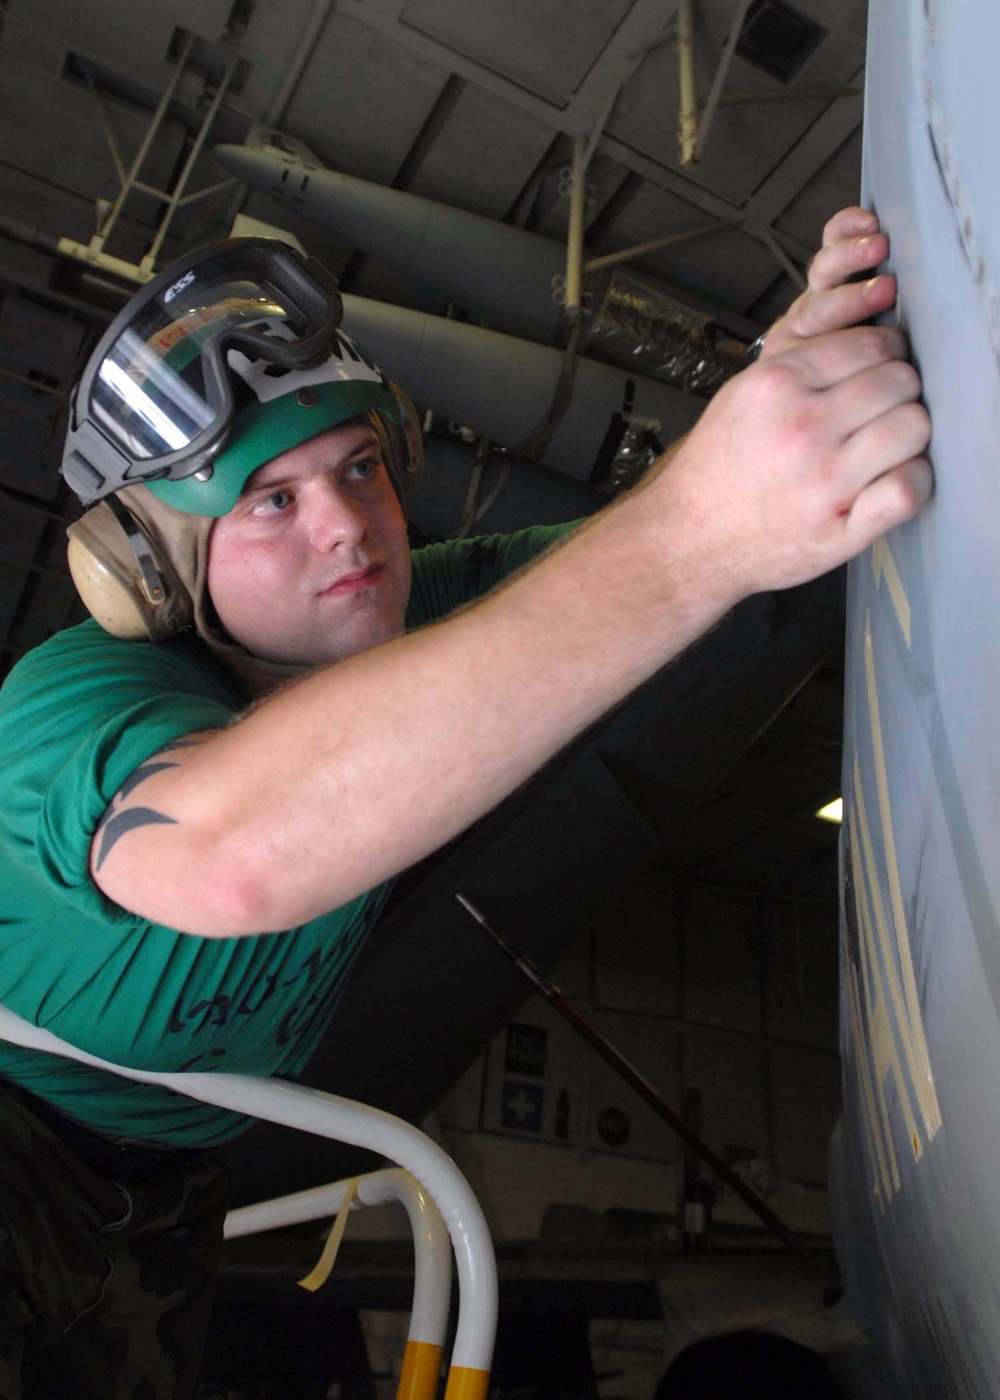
(412, 467)
(125, 581)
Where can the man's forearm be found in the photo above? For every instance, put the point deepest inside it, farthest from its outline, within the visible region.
(347, 777)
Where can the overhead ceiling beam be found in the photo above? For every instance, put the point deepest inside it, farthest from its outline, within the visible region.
(588, 109)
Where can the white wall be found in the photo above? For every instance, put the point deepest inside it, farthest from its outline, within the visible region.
(731, 995)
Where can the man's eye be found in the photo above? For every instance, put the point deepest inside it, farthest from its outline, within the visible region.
(366, 469)
(273, 504)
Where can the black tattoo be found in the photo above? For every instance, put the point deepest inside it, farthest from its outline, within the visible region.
(139, 776)
(114, 824)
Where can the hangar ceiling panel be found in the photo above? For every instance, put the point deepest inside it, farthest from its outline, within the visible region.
(272, 41)
(28, 38)
(747, 142)
(544, 48)
(70, 145)
(836, 187)
(362, 99)
(727, 266)
(138, 40)
(489, 145)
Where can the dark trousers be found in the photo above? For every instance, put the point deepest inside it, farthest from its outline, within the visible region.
(108, 1260)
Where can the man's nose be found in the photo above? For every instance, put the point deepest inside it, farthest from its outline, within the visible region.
(333, 518)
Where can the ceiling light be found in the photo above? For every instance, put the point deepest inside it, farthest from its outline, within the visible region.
(832, 812)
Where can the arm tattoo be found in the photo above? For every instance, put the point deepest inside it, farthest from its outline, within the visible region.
(114, 827)
(114, 824)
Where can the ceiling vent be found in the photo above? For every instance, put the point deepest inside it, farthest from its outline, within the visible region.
(778, 38)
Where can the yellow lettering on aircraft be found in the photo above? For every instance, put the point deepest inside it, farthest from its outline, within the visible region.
(880, 1150)
(884, 566)
(885, 1009)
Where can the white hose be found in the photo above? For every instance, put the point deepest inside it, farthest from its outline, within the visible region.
(326, 1115)
(431, 1251)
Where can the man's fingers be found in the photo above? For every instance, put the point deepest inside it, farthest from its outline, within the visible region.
(847, 305)
(901, 434)
(818, 313)
(866, 396)
(829, 359)
(891, 499)
(846, 260)
(851, 222)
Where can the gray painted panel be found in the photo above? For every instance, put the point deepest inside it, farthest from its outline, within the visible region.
(546, 48)
(918, 1195)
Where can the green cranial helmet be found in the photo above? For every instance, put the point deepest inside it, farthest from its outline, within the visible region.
(278, 409)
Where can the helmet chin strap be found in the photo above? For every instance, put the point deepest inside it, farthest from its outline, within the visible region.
(150, 579)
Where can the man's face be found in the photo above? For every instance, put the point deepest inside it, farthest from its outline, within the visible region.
(312, 564)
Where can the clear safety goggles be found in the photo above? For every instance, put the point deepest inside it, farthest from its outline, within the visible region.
(157, 397)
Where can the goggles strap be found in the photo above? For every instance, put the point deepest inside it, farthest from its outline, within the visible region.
(149, 574)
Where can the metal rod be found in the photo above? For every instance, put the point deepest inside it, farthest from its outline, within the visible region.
(208, 190)
(195, 151)
(631, 63)
(102, 235)
(643, 1088)
(687, 84)
(106, 124)
(150, 189)
(795, 273)
(721, 73)
(611, 259)
(574, 240)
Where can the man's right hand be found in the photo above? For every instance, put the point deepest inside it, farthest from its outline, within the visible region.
(802, 461)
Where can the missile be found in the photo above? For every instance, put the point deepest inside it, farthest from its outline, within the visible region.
(493, 270)
(505, 388)
(496, 272)
(512, 495)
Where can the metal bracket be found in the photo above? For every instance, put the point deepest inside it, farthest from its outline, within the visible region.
(93, 252)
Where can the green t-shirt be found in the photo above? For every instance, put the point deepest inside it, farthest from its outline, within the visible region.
(78, 715)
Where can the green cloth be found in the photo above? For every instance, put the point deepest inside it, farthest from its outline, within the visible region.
(78, 715)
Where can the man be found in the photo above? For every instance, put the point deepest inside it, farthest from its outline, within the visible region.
(196, 846)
